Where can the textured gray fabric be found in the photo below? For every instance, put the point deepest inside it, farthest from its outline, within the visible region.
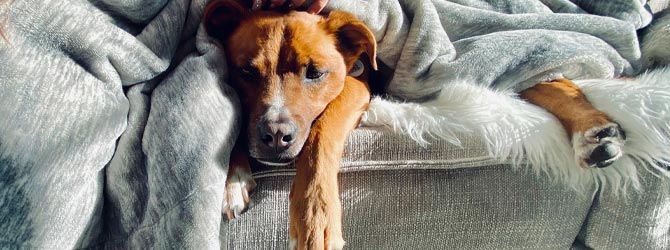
(636, 221)
(502, 44)
(468, 202)
(492, 207)
(658, 32)
(74, 77)
(115, 127)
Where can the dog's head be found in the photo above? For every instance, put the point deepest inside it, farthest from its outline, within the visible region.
(286, 67)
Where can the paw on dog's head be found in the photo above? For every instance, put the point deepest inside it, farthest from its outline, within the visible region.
(286, 67)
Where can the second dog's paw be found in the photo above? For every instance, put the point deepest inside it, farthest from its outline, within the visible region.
(236, 198)
(599, 147)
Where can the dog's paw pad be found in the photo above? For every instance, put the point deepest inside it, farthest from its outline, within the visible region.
(599, 147)
(604, 155)
(236, 199)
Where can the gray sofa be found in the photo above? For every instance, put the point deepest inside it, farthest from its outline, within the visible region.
(399, 195)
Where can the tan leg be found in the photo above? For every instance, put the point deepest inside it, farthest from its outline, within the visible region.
(315, 209)
(596, 139)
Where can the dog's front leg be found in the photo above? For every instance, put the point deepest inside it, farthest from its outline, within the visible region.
(315, 209)
(238, 183)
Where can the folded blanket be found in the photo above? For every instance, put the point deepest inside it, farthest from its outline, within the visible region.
(117, 124)
(501, 44)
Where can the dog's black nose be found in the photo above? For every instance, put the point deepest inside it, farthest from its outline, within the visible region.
(277, 135)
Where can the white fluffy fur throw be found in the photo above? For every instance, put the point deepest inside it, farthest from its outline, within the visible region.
(525, 135)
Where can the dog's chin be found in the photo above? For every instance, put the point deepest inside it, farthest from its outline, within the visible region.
(273, 159)
(276, 162)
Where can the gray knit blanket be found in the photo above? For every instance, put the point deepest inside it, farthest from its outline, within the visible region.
(116, 122)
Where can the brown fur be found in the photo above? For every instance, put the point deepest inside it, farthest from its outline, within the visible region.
(293, 91)
(566, 102)
(279, 47)
(315, 210)
(596, 140)
(318, 44)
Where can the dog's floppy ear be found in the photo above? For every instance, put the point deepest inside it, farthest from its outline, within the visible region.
(222, 17)
(353, 37)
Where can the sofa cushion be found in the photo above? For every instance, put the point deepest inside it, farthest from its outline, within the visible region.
(397, 195)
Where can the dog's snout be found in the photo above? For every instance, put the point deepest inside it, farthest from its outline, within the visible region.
(277, 135)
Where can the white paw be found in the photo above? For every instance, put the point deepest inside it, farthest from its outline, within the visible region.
(236, 199)
(332, 245)
(335, 245)
(600, 146)
(292, 243)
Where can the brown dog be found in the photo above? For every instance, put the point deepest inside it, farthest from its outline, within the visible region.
(290, 71)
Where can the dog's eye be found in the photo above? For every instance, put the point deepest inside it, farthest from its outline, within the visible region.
(313, 74)
(357, 69)
(249, 73)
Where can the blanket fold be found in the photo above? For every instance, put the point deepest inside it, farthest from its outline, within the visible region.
(443, 42)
